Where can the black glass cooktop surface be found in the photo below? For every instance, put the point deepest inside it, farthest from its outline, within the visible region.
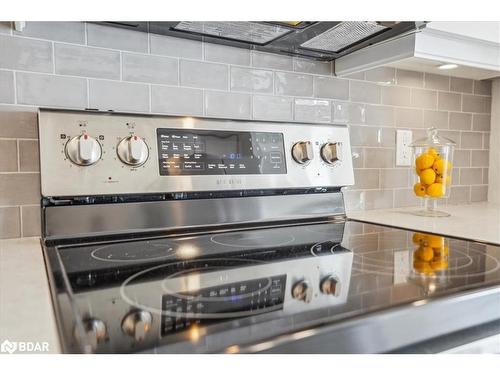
(223, 292)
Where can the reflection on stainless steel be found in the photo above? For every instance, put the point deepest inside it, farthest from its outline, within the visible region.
(64, 221)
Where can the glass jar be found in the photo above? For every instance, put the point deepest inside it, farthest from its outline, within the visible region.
(432, 167)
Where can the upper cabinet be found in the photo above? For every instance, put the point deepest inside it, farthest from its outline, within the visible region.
(461, 49)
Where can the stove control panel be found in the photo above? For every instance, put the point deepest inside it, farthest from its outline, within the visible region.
(84, 153)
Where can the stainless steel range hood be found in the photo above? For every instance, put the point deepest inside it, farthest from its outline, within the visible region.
(324, 41)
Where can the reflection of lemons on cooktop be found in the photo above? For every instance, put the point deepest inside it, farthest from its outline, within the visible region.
(431, 255)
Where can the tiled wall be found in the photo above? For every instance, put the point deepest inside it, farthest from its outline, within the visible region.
(82, 65)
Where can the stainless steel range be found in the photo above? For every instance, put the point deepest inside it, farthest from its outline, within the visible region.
(175, 234)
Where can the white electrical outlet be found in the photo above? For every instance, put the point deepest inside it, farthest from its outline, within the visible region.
(403, 150)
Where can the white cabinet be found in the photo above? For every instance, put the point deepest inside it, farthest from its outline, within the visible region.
(473, 46)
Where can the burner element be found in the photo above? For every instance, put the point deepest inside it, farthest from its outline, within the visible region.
(252, 240)
(133, 252)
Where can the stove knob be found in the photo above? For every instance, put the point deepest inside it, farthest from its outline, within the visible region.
(330, 285)
(137, 324)
(95, 332)
(83, 150)
(133, 151)
(302, 152)
(302, 291)
(331, 153)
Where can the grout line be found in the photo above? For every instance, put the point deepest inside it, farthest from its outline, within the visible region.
(53, 58)
(88, 93)
(18, 156)
(121, 66)
(15, 87)
(85, 37)
(21, 221)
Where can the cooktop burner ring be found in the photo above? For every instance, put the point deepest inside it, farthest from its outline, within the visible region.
(248, 236)
(366, 267)
(188, 315)
(135, 250)
(314, 247)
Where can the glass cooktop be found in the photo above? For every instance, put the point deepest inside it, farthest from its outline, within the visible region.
(222, 292)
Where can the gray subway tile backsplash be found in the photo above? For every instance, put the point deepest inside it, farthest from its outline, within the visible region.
(409, 78)
(125, 70)
(312, 66)
(251, 80)
(313, 110)
(226, 54)
(116, 38)
(176, 100)
(332, 88)
(395, 95)
(203, 75)
(461, 84)
(481, 122)
(267, 107)
(19, 188)
(449, 101)
(6, 87)
(51, 90)
(460, 121)
(436, 82)
(106, 95)
(152, 69)
(271, 61)
(437, 119)
(70, 32)
(87, 61)
(26, 54)
(8, 155)
(478, 104)
(11, 222)
(293, 84)
(231, 105)
(170, 46)
(422, 98)
(365, 92)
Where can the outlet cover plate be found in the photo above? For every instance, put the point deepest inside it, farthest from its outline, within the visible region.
(403, 150)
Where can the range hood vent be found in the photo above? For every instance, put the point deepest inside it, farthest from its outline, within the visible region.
(324, 41)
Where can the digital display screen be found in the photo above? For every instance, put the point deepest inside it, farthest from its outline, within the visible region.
(216, 152)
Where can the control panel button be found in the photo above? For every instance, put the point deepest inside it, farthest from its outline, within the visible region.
(133, 151)
(302, 152)
(137, 324)
(302, 291)
(83, 150)
(94, 332)
(330, 285)
(331, 152)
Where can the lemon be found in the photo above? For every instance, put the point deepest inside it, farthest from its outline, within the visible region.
(417, 171)
(427, 254)
(433, 152)
(419, 189)
(436, 190)
(427, 176)
(418, 238)
(424, 161)
(442, 166)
